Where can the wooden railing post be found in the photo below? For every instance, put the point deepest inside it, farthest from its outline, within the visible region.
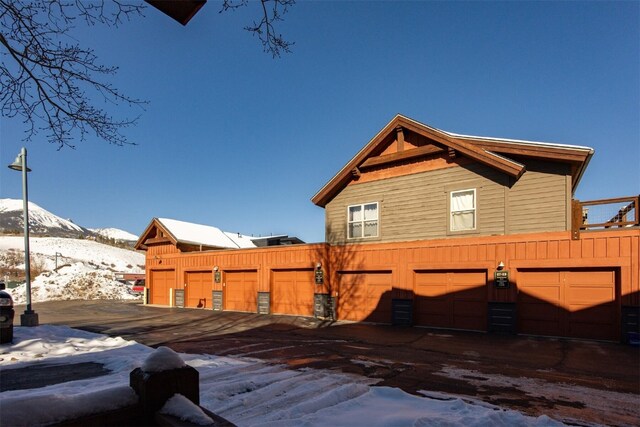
(576, 219)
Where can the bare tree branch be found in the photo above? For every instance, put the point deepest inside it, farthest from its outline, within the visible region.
(272, 12)
(51, 84)
(55, 85)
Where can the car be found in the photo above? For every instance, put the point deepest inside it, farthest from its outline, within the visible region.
(138, 287)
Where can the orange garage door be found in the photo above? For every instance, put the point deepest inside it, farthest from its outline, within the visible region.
(241, 291)
(161, 281)
(365, 296)
(198, 290)
(451, 299)
(292, 292)
(568, 303)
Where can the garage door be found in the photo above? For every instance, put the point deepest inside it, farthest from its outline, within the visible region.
(292, 292)
(568, 303)
(451, 299)
(198, 290)
(241, 291)
(365, 296)
(161, 281)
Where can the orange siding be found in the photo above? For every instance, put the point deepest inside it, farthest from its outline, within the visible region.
(618, 250)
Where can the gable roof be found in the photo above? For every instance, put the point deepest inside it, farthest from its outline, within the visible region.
(492, 152)
(181, 232)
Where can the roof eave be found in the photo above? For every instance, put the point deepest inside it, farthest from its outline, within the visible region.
(581, 171)
(140, 242)
(329, 190)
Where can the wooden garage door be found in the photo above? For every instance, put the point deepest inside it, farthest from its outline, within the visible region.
(451, 299)
(241, 291)
(161, 281)
(568, 303)
(365, 296)
(198, 290)
(292, 292)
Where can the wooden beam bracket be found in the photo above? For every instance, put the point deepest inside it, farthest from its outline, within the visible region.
(400, 138)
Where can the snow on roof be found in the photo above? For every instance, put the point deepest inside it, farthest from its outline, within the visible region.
(241, 240)
(206, 235)
(519, 141)
(501, 140)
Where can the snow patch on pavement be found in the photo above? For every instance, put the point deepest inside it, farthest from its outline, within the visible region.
(245, 391)
(583, 398)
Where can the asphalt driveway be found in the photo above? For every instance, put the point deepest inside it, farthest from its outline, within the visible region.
(580, 382)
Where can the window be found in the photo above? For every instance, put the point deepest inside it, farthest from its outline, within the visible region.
(463, 210)
(362, 220)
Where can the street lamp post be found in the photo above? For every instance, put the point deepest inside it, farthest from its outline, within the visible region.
(30, 317)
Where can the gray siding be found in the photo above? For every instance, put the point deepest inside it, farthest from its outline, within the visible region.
(415, 207)
(538, 200)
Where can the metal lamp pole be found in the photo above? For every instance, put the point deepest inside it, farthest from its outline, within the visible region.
(30, 317)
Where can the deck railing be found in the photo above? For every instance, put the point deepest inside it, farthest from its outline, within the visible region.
(605, 213)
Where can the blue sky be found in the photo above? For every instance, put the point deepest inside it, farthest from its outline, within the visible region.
(236, 139)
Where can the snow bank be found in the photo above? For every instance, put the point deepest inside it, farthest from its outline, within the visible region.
(85, 268)
(72, 283)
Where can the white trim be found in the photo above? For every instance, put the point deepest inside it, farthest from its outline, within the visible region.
(521, 141)
(363, 220)
(474, 210)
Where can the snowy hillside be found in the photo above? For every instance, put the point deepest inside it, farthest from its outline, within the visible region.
(85, 268)
(115, 234)
(41, 221)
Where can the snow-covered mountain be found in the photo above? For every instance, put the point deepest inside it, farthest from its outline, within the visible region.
(44, 223)
(41, 221)
(67, 260)
(115, 234)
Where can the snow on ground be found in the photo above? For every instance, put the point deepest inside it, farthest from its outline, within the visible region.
(596, 400)
(246, 391)
(85, 268)
(71, 250)
(71, 283)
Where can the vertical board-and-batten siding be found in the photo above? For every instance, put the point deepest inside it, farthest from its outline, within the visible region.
(416, 206)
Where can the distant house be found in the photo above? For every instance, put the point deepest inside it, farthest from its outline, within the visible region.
(278, 240)
(429, 228)
(415, 182)
(184, 236)
(181, 236)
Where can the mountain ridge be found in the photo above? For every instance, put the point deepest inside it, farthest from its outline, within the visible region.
(44, 223)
